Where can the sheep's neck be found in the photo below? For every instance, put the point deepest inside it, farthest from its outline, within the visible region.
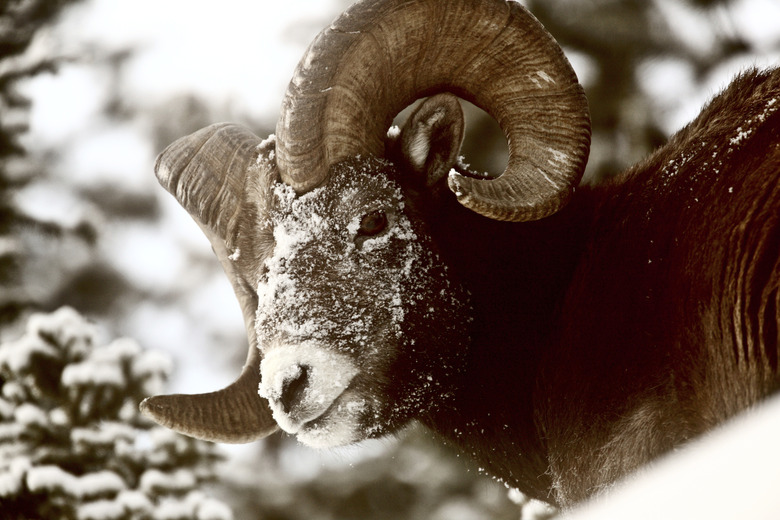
(517, 274)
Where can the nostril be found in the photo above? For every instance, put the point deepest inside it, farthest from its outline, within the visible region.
(293, 388)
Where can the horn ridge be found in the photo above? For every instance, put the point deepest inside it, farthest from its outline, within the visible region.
(206, 172)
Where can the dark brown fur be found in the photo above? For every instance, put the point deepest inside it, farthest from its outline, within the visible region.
(640, 316)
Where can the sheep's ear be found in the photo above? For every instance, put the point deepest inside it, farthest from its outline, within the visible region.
(430, 140)
(207, 173)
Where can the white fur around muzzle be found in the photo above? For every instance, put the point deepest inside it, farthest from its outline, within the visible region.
(326, 411)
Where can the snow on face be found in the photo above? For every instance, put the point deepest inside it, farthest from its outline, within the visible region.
(335, 302)
(317, 280)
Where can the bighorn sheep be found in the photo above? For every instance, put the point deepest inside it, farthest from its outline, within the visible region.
(561, 350)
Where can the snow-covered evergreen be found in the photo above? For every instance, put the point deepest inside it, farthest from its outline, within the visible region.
(72, 443)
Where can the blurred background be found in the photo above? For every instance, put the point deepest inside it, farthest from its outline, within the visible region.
(92, 90)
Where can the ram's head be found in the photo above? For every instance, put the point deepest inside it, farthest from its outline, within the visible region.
(354, 323)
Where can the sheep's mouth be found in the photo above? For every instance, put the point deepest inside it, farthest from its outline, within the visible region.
(313, 418)
(341, 423)
(321, 419)
(327, 412)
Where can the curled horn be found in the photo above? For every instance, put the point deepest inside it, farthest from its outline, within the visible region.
(207, 172)
(381, 55)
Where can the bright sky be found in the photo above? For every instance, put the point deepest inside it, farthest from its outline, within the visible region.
(239, 56)
(240, 50)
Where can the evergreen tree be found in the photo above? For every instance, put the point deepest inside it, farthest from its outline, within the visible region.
(20, 20)
(72, 442)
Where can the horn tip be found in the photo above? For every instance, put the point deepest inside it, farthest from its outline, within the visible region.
(154, 408)
(512, 210)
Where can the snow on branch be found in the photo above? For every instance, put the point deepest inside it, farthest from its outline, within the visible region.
(72, 442)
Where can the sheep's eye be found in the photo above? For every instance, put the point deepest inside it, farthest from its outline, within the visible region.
(373, 223)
